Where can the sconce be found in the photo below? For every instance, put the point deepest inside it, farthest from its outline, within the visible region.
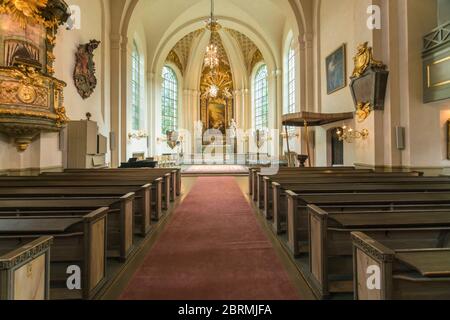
(138, 135)
(291, 135)
(349, 135)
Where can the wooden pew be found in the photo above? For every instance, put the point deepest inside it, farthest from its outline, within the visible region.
(122, 179)
(156, 186)
(77, 240)
(297, 218)
(330, 244)
(142, 205)
(290, 178)
(25, 271)
(253, 172)
(415, 274)
(120, 216)
(259, 176)
(356, 184)
(174, 180)
(176, 174)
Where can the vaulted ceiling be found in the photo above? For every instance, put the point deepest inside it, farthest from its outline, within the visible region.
(250, 22)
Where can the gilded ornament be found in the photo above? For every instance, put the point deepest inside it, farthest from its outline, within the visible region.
(364, 59)
(62, 118)
(26, 94)
(363, 111)
(24, 11)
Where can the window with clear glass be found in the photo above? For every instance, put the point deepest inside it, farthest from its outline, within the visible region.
(291, 82)
(135, 88)
(169, 103)
(261, 98)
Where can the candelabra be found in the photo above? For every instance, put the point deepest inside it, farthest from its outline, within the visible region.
(138, 135)
(349, 135)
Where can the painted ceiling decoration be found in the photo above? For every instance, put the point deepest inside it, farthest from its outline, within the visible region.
(175, 59)
(250, 51)
(179, 55)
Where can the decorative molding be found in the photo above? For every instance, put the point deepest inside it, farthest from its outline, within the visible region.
(25, 254)
(436, 38)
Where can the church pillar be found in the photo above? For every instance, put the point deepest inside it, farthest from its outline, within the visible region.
(124, 98)
(306, 48)
(239, 116)
(151, 113)
(115, 100)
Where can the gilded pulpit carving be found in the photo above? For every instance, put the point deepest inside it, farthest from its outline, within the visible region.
(31, 99)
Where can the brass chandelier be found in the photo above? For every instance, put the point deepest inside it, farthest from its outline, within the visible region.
(212, 59)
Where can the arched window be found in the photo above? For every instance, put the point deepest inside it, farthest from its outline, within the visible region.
(291, 94)
(261, 98)
(169, 103)
(135, 88)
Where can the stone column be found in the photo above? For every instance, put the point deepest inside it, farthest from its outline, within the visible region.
(115, 99)
(124, 97)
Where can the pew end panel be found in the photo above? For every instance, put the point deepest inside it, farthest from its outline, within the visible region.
(178, 182)
(167, 194)
(292, 222)
(157, 188)
(95, 244)
(318, 225)
(145, 209)
(370, 256)
(268, 198)
(250, 176)
(255, 185)
(25, 272)
(276, 209)
(127, 221)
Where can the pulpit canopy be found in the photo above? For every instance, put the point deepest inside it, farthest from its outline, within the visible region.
(312, 119)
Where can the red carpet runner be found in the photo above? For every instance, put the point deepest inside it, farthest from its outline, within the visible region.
(212, 249)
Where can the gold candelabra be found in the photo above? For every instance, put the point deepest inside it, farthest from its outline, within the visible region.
(349, 135)
(141, 134)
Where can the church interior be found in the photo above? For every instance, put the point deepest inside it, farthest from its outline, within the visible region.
(224, 150)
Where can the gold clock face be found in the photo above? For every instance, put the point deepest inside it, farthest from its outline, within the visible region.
(26, 94)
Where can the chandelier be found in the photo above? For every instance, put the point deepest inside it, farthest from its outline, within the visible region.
(212, 52)
(211, 57)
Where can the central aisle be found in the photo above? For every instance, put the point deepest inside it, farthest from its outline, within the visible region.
(213, 249)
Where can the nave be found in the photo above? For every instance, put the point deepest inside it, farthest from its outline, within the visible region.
(297, 234)
(212, 249)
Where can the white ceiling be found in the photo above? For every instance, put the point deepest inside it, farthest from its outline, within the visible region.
(169, 21)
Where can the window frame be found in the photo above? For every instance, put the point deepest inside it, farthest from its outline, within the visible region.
(169, 100)
(136, 88)
(261, 98)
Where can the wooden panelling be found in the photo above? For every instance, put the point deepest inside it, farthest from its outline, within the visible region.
(29, 280)
(97, 253)
(363, 262)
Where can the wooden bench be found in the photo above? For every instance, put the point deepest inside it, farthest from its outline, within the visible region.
(142, 205)
(122, 179)
(253, 173)
(278, 201)
(297, 218)
(77, 240)
(175, 172)
(259, 177)
(422, 274)
(330, 244)
(25, 270)
(120, 216)
(156, 186)
(300, 176)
